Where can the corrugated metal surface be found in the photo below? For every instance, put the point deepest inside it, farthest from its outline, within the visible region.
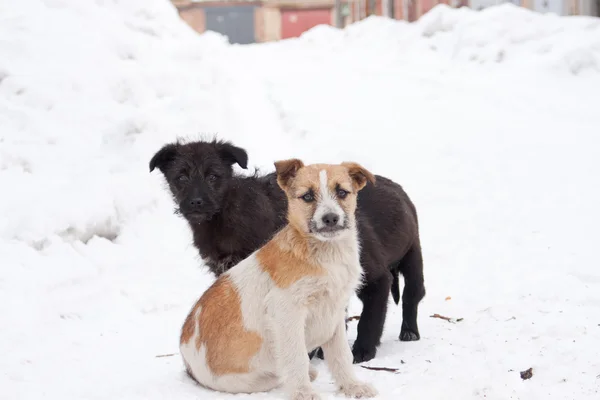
(553, 6)
(236, 22)
(296, 21)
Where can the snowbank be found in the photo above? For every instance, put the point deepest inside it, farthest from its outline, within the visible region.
(87, 90)
(101, 82)
(505, 34)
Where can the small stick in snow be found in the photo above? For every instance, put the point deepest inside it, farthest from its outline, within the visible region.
(166, 355)
(356, 317)
(451, 320)
(527, 374)
(393, 370)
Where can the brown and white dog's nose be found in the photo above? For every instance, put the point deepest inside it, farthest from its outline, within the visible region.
(330, 219)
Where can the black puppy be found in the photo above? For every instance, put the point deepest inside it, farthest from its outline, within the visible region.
(232, 216)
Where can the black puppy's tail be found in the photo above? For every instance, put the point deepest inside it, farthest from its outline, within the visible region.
(395, 285)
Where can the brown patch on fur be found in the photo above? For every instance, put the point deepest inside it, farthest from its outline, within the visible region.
(287, 258)
(189, 326)
(338, 177)
(286, 170)
(229, 346)
(300, 212)
(359, 174)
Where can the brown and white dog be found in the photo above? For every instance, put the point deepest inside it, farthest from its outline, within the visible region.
(251, 330)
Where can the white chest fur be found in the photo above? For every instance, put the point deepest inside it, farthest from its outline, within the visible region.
(327, 296)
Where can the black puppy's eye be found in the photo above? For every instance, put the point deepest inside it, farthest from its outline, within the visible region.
(212, 178)
(182, 178)
(308, 197)
(341, 193)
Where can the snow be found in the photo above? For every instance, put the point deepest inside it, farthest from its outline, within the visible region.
(508, 35)
(498, 152)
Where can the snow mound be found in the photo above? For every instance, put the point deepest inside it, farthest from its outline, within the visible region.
(513, 35)
(321, 33)
(503, 34)
(84, 100)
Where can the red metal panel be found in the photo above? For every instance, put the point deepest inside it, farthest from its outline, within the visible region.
(296, 21)
(412, 11)
(378, 7)
(427, 5)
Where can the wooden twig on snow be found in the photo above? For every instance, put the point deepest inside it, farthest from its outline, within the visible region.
(165, 355)
(392, 370)
(451, 320)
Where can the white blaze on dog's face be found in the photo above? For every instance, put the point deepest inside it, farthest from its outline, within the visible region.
(322, 197)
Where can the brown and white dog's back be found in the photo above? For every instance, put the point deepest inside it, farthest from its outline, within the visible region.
(251, 330)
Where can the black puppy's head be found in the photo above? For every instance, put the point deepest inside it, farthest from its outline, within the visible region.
(199, 174)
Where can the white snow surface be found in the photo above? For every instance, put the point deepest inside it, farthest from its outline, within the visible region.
(488, 119)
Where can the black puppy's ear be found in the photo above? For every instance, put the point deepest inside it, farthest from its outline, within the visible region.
(232, 154)
(286, 171)
(163, 157)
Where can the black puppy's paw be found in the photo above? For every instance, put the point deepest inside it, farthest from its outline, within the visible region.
(362, 354)
(320, 353)
(407, 335)
(316, 352)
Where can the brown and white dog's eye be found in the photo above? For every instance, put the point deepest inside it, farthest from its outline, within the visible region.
(341, 193)
(308, 197)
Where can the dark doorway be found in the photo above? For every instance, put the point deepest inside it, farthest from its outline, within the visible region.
(236, 22)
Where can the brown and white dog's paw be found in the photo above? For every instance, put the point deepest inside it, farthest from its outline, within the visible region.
(359, 390)
(312, 373)
(305, 394)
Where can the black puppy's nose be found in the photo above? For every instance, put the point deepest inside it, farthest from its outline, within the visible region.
(330, 219)
(196, 202)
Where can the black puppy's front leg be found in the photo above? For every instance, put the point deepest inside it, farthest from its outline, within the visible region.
(374, 296)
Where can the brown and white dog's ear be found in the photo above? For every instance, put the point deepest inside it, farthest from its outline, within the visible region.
(360, 176)
(286, 171)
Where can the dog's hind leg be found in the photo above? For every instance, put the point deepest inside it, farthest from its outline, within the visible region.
(411, 267)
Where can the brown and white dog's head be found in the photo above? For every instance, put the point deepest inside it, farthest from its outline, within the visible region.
(322, 197)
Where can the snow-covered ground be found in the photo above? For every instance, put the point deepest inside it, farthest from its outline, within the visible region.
(490, 121)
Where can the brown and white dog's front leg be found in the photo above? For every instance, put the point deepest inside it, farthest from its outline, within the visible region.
(339, 359)
(288, 326)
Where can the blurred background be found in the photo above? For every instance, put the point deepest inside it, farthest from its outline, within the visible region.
(262, 21)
